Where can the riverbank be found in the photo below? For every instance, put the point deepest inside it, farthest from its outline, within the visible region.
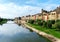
(50, 37)
(2, 21)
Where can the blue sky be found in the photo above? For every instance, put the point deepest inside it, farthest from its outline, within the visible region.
(16, 8)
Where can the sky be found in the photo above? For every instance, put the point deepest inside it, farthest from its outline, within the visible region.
(18, 8)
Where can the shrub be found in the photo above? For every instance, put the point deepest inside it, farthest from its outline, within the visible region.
(57, 20)
(57, 25)
(44, 24)
(53, 21)
(31, 21)
(40, 23)
(49, 24)
(37, 21)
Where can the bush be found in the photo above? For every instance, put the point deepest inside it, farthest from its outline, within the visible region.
(37, 21)
(40, 23)
(49, 24)
(53, 21)
(31, 21)
(44, 24)
(57, 20)
(57, 25)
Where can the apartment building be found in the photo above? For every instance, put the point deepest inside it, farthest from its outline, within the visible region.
(38, 16)
(27, 18)
(44, 15)
(23, 18)
(51, 15)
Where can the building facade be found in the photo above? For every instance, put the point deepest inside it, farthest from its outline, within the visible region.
(44, 15)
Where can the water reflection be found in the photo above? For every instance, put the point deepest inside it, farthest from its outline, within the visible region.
(11, 32)
(30, 30)
(19, 24)
(12, 29)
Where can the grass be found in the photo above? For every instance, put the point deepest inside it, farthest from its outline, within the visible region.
(46, 30)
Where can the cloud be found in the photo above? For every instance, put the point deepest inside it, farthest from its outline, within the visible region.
(47, 4)
(12, 10)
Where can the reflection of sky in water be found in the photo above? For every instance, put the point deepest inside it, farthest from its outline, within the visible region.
(11, 32)
(11, 29)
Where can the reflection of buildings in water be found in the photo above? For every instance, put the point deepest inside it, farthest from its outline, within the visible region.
(30, 30)
(26, 27)
(19, 24)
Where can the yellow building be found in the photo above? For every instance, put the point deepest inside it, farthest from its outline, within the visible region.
(23, 18)
(33, 17)
(45, 15)
(27, 18)
(38, 16)
(52, 16)
(58, 16)
(58, 12)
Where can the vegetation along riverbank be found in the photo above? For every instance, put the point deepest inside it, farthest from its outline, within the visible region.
(46, 21)
(51, 29)
(2, 21)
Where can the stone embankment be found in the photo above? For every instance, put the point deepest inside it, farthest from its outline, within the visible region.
(50, 37)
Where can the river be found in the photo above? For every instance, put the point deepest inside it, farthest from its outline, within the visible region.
(11, 32)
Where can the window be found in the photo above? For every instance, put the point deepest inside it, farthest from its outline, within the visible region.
(53, 13)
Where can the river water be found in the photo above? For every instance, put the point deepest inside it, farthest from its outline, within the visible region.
(11, 32)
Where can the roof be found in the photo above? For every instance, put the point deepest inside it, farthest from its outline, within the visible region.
(45, 11)
(57, 10)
